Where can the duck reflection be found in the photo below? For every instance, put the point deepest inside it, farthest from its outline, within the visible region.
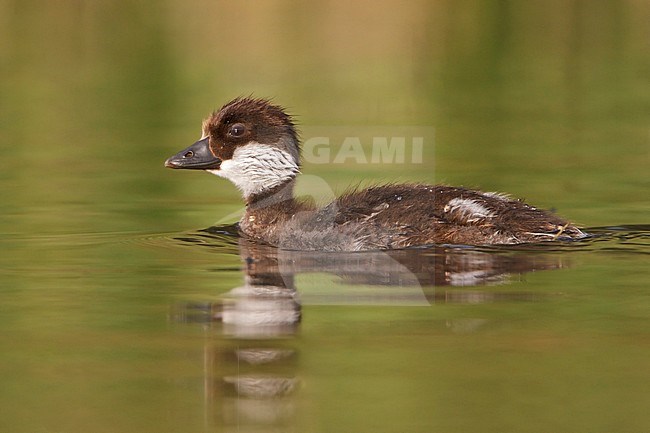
(269, 302)
(251, 368)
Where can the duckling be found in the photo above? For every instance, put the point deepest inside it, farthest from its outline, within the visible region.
(254, 144)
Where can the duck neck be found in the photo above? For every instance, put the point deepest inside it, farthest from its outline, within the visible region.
(278, 197)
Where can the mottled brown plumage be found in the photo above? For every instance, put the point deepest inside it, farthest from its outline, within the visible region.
(254, 144)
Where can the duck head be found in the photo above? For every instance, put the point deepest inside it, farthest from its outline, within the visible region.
(251, 142)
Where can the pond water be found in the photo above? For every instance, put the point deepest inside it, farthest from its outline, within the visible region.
(202, 331)
(129, 304)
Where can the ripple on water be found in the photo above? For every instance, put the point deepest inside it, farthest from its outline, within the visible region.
(628, 238)
(620, 238)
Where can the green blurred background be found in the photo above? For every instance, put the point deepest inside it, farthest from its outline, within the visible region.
(549, 100)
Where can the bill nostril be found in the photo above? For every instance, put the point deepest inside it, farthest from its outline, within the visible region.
(189, 154)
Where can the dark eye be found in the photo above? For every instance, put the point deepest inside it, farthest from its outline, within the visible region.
(237, 130)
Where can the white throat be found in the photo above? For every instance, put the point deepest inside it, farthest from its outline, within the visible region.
(256, 167)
